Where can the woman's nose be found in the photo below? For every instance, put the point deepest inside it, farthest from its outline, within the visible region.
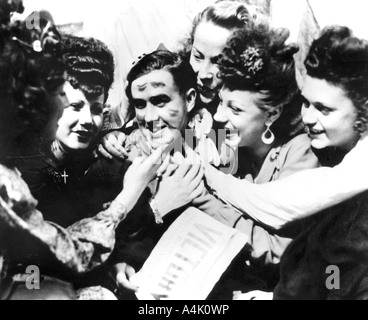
(206, 73)
(220, 115)
(85, 118)
(309, 115)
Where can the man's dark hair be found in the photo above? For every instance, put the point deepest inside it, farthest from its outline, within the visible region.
(182, 72)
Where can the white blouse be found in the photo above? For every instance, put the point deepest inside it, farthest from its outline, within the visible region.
(300, 195)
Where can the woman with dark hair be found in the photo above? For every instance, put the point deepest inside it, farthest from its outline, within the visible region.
(67, 180)
(328, 260)
(210, 31)
(32, 98)
(157, 117)
(259, 102)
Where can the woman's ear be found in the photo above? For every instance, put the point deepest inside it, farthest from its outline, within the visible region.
(191, 97)
(275, 114)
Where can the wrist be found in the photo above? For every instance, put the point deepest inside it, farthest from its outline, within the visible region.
(162, 205)
(156, 211)
(129, 197)
(117, 211)
(212, 175)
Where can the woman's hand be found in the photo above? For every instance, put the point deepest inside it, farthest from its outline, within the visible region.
(112, 146)
(180, 186)
(254, 295)
(139, 175)
(122, 273)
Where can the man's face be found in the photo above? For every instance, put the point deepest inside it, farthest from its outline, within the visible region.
(160, 109)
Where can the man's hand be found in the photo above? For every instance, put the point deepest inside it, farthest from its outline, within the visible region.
(112, 145)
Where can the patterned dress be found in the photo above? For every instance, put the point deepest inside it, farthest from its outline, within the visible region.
(26, 239)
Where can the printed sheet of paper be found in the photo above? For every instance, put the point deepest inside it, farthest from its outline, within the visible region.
(189, 259)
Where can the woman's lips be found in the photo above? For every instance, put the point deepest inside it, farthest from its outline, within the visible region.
(232, 138)
(206, 92)
(314, 132)
(83, 135)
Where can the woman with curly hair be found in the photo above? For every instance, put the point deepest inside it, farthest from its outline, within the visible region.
(328, 260)
(66, 180)
(258, 103)
(31, 99)
(210, 31)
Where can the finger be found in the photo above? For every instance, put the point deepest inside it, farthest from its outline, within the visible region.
(192, 155)
(178, 158)
(182, 170)
(162, 170)
(137, 162)
(104, 153)
(112, 150)
(130, 272)
(198, 192)
(247, 296)
(197, 179)
(236, 295)
(119, 144)
(124, 282)
(170, 170)
(147, 137)
(192, 173)
(121, 138)
(116, 145)
(154, 161)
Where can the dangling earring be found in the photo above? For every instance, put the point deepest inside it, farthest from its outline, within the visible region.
(268, 137)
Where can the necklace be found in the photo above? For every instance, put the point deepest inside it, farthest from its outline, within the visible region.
(65, 176)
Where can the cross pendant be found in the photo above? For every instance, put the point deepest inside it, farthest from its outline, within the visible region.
(65, 176)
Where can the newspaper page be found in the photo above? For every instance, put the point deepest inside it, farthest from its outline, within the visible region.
(189, 259)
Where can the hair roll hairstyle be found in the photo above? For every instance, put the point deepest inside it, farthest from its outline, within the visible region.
(230, 15)
(342, 60)
(258, 60)
(89, 65)
(31, 67)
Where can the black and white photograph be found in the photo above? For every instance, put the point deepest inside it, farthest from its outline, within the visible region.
(183, 150)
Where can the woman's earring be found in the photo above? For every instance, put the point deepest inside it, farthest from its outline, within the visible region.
(268, 137)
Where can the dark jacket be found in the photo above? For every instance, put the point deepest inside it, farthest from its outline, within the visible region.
(337, 237)
(72, 191)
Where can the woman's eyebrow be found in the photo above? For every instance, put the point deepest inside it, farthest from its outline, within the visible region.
(237, 104)
(78, 103)
(322, 106)
(198, 51)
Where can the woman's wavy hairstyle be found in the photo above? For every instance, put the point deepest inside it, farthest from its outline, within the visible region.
(342, 60)
(89, 65)
(230, 15)
(31, 67)
(257, 59)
